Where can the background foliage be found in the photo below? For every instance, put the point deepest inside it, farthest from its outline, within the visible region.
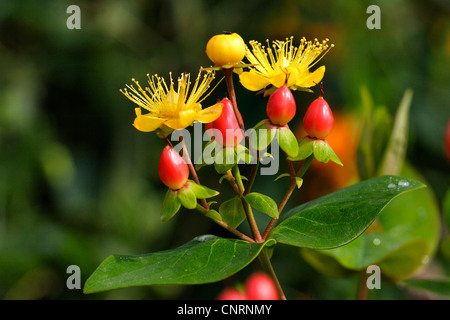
(78, 182)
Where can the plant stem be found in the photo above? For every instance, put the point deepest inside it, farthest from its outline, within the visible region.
(289, 191)
(233, 183)
(228, 72)
(265, 262)
(247, 208)
(232, 94)
(363, 290)
(252, 177)
(225, 225)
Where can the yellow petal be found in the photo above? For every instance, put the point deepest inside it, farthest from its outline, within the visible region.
(279, 80)
(310, 79)
(293, 75)
(146, 123)
(185, 118)
(209, 114)
(252, 81)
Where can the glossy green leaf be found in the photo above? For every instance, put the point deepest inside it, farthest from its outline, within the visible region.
(402, 240)
(170, 205)
(340, 217)
(232, 212)
(263, 203)
(204, 259)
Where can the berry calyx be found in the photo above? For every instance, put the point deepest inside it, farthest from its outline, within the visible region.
(226, 49)
(227, 131)
(231, 294)
(173, 170)
(281, 106)
(318, 121)
(260, 286)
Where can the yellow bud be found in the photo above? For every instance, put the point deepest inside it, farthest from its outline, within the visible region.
(226, 49)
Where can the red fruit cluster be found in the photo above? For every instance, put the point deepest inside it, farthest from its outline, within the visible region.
(227, 131)
(173, 170)
(318, 121)
(281, 106)
(259, 286)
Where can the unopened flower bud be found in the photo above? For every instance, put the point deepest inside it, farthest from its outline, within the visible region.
(227, 131)
(281, 106)
(226, 49)
(173, 170)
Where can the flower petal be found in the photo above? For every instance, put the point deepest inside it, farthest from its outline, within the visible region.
(185, 118)
(279, 80)
(253, 81)
(146, 123)
(310, 79)
(209, 114)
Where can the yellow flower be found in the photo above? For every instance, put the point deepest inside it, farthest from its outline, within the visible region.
(169, 108)
(284, 64)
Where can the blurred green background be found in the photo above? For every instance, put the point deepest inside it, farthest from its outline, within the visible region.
(78, 182)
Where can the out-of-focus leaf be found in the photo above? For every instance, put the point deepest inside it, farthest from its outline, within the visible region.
(396, 150)
(440, 287)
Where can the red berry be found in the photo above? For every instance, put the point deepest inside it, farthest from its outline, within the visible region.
(281, 106)
(318, 121)
(227, 125)
(173, 170)
(231, 294)
(260, 286)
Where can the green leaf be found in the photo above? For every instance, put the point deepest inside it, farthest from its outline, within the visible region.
(299, 182)
(263, 203)
(282, 176)
(262, 135)
(187, 198)
(339, 217)
(243, 154)
(232, 212)
(204, 259)
(305, 149)
(440, 287)
(208, 155)
(320, 148)
(323, 152)
(288, 142)
(170, 205)
(213, 214)
(202, 192)
(396, 150)
(403, 239)
(225, 160)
